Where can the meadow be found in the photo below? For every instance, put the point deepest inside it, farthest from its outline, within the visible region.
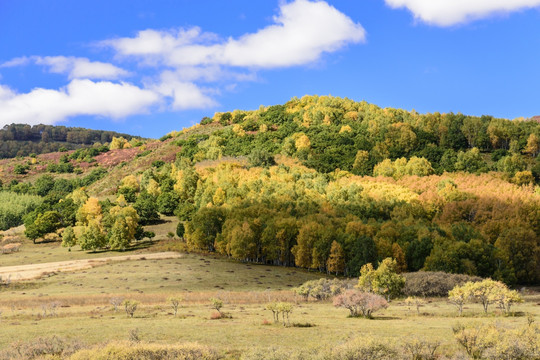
(77, 305)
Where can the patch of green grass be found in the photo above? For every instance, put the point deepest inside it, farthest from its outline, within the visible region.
(245, 329)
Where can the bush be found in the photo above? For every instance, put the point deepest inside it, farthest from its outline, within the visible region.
(364, 349)
(434, 284)
(144, 351)
(43, 347)
(360, 303)
(323, 288)
(130, 306)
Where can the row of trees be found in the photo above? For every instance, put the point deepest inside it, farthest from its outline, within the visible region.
(23, 140)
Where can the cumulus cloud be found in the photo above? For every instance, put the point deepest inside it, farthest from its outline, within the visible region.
(451, 12)
(74, 67)
(79, 97)
(184, 94)
(179, 69)
(81, 68)
(301, 33)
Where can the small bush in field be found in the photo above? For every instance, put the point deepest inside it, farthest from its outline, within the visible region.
(115, 302)
(217, 304)
(415, 302)
(175, 304)
(134, 335)
(360, 303)
(130, 306)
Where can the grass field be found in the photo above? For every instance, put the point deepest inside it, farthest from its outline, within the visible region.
(83, 309)
(77, 304)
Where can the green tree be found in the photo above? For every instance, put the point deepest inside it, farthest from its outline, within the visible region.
(384, 281)
(92, 237)
(68, 237)
(147, 208)
(45, 223)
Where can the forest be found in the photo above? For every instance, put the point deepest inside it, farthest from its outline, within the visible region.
(326, 184)
(23, 140)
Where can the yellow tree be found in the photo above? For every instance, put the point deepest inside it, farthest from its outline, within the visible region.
(90, 211)
(533, 145)
(336, 260)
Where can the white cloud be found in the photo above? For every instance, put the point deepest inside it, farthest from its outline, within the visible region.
(79, 97)
(74, 67)
(184, 94)
(181, 69)
(80, 68)
(451, 12)
(19, 61)
(301, 33)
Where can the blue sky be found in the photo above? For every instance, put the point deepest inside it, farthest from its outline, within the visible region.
(149, 67)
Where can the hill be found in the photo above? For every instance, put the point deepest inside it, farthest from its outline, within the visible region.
(23, 140)
(321, 183)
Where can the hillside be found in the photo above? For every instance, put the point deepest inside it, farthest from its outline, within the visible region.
(320, 183)
(23, 140)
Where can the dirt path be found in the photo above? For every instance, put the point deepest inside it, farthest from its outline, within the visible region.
(34, 271)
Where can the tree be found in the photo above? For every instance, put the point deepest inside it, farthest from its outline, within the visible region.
(416, 302)
(124, 228)
(285, 309)
(484, 292)
(458, 296)
(361, 165)
(261, 158)
(146, 208)
(90, 211)
(175, 304)
(167, 202)
(470, 161)
(43, 185)
(533, 145)
(180, 230)
(92, 237)
(384, 281)
(360, 303)
(68, 237)
(336, 260)
(45, 223)
(217, 304)
(387, 281)
(399, 256)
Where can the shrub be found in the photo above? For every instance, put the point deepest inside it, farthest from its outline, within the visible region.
(42, 347)
(323, 289)
(485, 292)
(175, 304)
(434, 284)
(364, 349)
(216, 304)
(420, 349)
(130, 306)
(360, 303)
(144, 351)
(415, 302)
